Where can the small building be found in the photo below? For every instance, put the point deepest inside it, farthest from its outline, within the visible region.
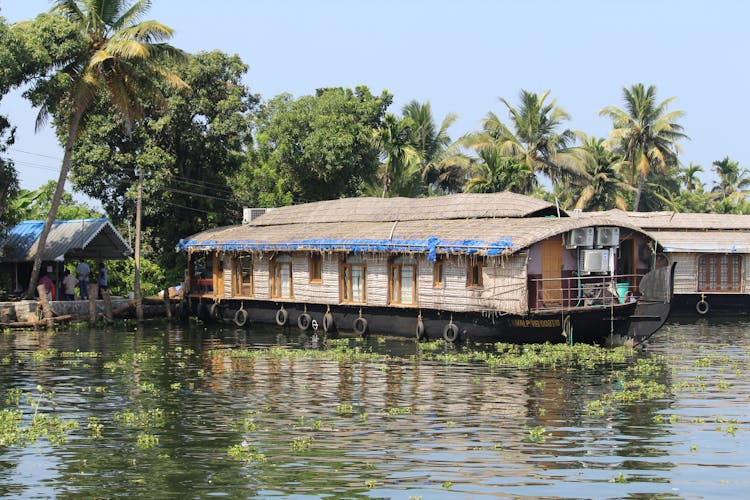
(497, 266)
(69, 240)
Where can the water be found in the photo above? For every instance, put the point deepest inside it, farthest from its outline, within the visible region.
(400, 423)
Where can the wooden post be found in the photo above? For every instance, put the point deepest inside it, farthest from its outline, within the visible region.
(93, 293)
(168, 304)
(107, 306)
(45, 306)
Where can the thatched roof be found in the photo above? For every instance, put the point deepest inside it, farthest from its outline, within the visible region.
(481, 236)
(690, 232)
(456, 206)
(676, 221)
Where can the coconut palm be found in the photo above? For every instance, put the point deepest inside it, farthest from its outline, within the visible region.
(443, 164)
(733, 182)
(532, 138)
(493, 172)
(606, 189)
(644, 134)
(689, 177)
(123, 59)
(399, 171)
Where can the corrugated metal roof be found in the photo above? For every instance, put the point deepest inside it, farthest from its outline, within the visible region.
(68, 239)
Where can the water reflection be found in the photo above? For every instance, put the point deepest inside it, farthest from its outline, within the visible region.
(396, 424)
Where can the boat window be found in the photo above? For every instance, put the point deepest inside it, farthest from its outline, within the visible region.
(202, 273)
(281, 277)
(242, 277)
(719, 273)
(316, 275)
(438, 274)
(474, 273)
(402, 288)
(352, 279)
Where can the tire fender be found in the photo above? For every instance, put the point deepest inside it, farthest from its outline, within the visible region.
(241, 317)
(450, 332)
(360, 326)
(303, 321)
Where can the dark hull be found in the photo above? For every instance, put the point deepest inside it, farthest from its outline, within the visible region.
(716, 303)
(595, 324)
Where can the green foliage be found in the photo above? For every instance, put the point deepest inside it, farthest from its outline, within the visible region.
(121, 274)
(321, 146)
(189, 151)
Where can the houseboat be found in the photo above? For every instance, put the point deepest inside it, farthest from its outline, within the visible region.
(711, 255)
(486, 267)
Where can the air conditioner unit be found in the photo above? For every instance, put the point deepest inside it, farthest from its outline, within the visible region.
(607, 236)
(581, 237)
(250, 214)
(593, 261)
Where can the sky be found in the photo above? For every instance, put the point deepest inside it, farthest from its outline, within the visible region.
(462, 56)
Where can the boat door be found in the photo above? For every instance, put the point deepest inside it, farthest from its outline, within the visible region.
(552, 263)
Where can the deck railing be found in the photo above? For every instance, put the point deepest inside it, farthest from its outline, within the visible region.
(581, 291)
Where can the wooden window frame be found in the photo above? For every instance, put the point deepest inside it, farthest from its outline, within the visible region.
(344, 285)
(315, 268)
(274, 266)
(728, 271)
(394, 266)
(238, 285)
(199, 286)
(474, 273)
(438, 274)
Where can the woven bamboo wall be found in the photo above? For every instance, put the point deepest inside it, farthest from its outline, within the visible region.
(503, 278)
(685, 273)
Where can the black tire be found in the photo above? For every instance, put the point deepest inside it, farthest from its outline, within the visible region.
(360, 326)
(450, 332)
(702, 307)
(215, 312)
(327, 322)
(421, 335)
(241, 317)
(183, 311)
(281, 317)
(303, 322)
(202, 312)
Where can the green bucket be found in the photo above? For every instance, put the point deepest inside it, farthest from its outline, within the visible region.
(622, 290)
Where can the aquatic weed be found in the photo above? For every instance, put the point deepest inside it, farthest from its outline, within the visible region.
(245, 452)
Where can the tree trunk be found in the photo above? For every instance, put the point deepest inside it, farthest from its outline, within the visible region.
(75, 120)
(641, 178)
(137, 273)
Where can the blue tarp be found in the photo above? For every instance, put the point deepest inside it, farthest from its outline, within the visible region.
(432, 246)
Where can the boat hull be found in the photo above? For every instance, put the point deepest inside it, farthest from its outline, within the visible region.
(595, 324)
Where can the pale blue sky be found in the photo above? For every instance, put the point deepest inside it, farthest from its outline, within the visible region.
(463, 55)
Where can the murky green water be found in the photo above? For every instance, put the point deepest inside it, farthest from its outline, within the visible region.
(190, 412)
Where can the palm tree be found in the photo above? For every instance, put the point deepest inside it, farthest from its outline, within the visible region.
(493, 172)
(606, 189)
(532, 138)
(123, 59)
(399, 169)
(444, 166)
(733, 182)
(689, 177)
(645, 134)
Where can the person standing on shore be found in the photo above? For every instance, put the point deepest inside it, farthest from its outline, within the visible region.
(83, 271)
(102, 278)
(69, 285)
